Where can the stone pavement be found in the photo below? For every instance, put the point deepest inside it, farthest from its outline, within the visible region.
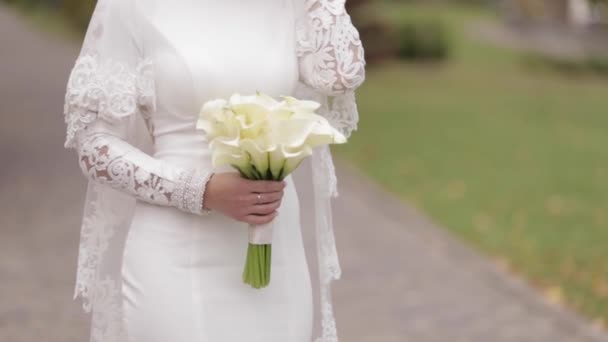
(404, 279)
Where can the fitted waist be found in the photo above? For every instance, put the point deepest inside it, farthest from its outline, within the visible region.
(185, 149)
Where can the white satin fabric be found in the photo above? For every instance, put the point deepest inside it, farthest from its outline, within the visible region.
(182, 279)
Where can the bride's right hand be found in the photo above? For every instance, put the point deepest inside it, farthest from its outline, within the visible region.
(237, 197)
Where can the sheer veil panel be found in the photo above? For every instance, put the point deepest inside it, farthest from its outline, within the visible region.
(109, 98)
(332, 67)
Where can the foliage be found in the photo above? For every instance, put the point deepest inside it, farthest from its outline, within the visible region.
(77, 12)
(426, 39)
(378, 36)
(408, 38)
(513, 161)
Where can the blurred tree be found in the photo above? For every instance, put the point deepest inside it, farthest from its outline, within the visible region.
(78, 11)
(412, 39)
(562, 12)
(378, 37)
(423, 40)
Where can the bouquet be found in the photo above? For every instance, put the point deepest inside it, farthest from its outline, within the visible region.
(264, 139)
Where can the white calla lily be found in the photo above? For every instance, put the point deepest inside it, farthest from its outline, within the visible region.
(259, 157)
(217, 119)
(226, 154)
(272, 136)
(283, 161)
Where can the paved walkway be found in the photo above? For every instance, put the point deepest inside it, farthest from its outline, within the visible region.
(404, 279)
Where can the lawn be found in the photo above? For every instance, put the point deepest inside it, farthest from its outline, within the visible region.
(512, 159)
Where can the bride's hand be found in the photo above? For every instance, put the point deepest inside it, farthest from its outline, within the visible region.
(237, 197)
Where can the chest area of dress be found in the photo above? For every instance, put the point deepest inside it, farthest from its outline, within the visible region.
(204, 51)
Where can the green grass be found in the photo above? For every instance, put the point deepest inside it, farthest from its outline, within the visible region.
(510, 158)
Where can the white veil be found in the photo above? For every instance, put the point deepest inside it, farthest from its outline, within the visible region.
(110, 77)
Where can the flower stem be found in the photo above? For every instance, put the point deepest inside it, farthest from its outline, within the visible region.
(257, 265)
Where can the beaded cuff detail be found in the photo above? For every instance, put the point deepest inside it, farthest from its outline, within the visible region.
(189, 192)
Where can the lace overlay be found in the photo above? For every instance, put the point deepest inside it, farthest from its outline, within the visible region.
(107, 90)
(330, 50)
(106, 321)
(95, 238)
(99, 291)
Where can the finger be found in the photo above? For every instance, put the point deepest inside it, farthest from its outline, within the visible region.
(263, 198)
(260, 219)
(266, 186)
(264, 209)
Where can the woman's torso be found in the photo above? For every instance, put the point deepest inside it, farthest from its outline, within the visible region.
(203, 50)
(206, 49)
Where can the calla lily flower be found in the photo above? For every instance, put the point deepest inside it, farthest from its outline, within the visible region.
(262, 137)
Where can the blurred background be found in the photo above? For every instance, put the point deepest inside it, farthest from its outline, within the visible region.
(490, 117)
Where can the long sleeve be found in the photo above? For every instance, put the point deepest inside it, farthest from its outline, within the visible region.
(109, 86)
(105, 157)
(330, 52)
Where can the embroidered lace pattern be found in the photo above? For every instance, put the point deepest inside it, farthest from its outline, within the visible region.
(107, 90)
(100, 294)
(330, 50)
(105, 159)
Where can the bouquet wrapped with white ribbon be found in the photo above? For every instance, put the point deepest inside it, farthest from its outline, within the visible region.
(264, 139)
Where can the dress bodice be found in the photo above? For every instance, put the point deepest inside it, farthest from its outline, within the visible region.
(199, 55)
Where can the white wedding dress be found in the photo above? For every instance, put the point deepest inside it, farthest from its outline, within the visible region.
(178, 267)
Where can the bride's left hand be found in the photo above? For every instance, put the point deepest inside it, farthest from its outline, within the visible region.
(250, 201)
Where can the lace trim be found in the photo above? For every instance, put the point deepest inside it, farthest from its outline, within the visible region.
(95, 239)
(189, 192)
(109, 90)
(329, 265)
(331, 52)
(100, 293)
(195, 197)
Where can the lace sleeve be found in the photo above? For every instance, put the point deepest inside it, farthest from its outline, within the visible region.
(331, 56)
(110, 160)
(101, 99)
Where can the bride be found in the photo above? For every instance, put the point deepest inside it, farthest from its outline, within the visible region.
(164, 234)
